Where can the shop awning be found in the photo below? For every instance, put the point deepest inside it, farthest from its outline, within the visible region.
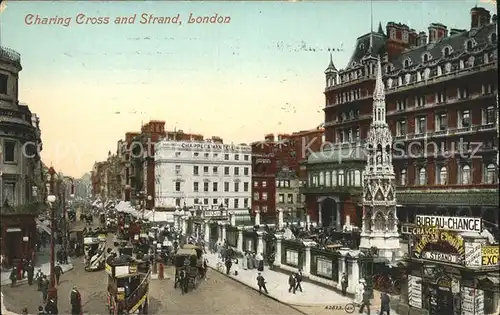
(493, 280)
(14, 230)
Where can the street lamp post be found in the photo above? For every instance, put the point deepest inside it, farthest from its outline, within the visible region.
(51, 198)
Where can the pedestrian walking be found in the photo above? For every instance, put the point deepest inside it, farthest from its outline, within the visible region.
(58, 272)
(51, 307)
(261, 283)
(39, 279)
(365, 302)
(228, 263)
(291, 283)
(31, 273)
(76, 302)
(298, 280)
(44, 288)
(13, 276)
(344, 283)
(385, 302)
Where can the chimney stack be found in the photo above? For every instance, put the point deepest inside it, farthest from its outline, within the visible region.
(421, 39)
(479, 17)
(437, 31)
(456, 31)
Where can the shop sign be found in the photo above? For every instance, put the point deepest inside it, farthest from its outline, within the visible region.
(460, 224)
(490, 255)
(467, 301)
(215, 213)
(415, 291)
(473, 254)
(429, 247)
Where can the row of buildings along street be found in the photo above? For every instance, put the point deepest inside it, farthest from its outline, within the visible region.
(395, 191)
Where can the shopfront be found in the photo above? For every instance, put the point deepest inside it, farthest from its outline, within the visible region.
(451, 272)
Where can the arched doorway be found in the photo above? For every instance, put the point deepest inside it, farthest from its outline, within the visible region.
(329, 212)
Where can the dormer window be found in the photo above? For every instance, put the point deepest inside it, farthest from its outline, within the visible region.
(406, 63)
(426, 57)
(470, 44)
(447, 51)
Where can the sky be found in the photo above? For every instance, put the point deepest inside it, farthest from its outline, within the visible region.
(261, 73)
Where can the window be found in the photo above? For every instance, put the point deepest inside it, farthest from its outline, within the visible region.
(226, 202)
(321, 178)
(401, 127)
(177, 154)
(245, 186)
(196, 170)
(402, 177)
(328, 180)
(264, 184)
(215, 155)
(465, 175)
(264, 209)
(178, 202)
(245, 157)
(215, 187)
(486, 89)
(442, 178)
(256, 196)
(206, 155)
(236, 171)
(205, 170)
(196, 201)
(256, 184)
(289, 198)
(281, 198)
(196, 186)
(421, 125)
(401, 105)
(441, 121)
(177, 186)
(463, 93)
(464, 118)
(226, 186)
(9, 149)
(215, 201)
(215, 170)
(195, 154)
(357, 178)
(422, 177)
(245, 203)
(420, 101)
(226, 157)
(446, 51)
(489, 115)
(490, 174)
(264, 196)
(236, 187)
(406, 63)
(441, 97)
(177, 170)
(356, 134)
(226, 170)
(341, 180)
(334, 178)
(469, 45)
(4, 79)
(205, 201)
(205, 187)
(426, 57)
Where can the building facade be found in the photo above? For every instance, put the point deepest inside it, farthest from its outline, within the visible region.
(20, 140)
(203, 173)
(441, 92)
(264, 178)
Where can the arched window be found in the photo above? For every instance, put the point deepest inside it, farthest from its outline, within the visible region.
(321, 179)
(465, 175)
(379, 223)
(406, 63)
(422, 176)
(426, 57)
(490, 176)
(469, 45)
(443, 176)
(446, 51)
(341, 180)
(328, 180)
(439, 71)
(310, 184)
(357, 178)
(334, 178)
(402, 177)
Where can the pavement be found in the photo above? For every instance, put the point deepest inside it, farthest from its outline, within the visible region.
(314, 300)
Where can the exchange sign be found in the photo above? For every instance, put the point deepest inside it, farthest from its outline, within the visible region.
(490, 255)
(459, 224)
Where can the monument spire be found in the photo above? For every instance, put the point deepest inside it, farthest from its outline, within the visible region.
(379, 109)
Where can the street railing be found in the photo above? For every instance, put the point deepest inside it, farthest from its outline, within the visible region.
(10, 55)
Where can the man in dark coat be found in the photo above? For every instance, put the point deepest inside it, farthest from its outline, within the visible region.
(298, 280)
(291, 283)
(31, 272)
(58, 272)
(261, 283)
(44, 288)
(228, 263)
(344, 283)
(365, 302)
(13, 276)
(76, 302)
(385, 304)
(51, 307)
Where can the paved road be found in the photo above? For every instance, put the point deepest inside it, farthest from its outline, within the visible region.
(217, 295)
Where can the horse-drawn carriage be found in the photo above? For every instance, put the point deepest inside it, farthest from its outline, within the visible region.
(189, 269)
